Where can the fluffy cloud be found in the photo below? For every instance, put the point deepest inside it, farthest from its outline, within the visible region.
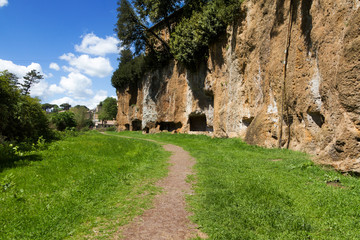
(19, 70)
(77, 85)
(92, 44)
(54, 89)
(63, 100)
(91, 103)
(54, 66)
(39, 89)
(3, 3)
(95, 67)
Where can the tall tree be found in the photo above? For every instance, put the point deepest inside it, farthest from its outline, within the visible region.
(109, 109)
(21, 116)
(157, 10)
(129, 71)
(132, 25)
(9, 97)
(30, 79)
(81, 116)
(65, 106)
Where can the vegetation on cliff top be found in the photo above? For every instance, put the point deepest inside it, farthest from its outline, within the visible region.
(198, 24)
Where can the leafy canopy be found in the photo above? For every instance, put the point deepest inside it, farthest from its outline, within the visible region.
(200, 23)
(22, 117)
(109, 109)
(129, 71)
(30, 79)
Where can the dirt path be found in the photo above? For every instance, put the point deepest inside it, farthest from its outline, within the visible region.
(168, 219)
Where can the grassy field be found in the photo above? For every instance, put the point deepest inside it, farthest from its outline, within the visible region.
(248, 192)
(81, 187)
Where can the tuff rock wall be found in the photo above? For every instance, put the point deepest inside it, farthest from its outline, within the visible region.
(238, 91)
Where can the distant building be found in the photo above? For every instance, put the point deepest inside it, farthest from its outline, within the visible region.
(99, 123)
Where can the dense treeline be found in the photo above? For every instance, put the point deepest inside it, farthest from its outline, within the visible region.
(197, 24)
(25, 123)
(22, 118)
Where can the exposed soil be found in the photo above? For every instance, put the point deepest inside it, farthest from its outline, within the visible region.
(168, 219)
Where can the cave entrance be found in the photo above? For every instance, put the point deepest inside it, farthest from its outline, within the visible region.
(197, 122)
(247, 121)
(136, 125)
(169, 126)
(127, 127)
(318, 118)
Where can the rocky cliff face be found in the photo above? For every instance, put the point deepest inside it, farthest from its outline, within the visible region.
(240, 91)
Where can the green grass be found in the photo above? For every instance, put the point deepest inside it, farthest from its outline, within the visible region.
(80, 188)
(242, 194)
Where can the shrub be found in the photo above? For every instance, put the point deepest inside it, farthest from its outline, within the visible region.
(63, 120)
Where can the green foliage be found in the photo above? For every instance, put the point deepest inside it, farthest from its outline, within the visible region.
(82, 117)
(82, 184)
(63, 120)
(9, 97)
(30, 79)
(65, 106)
(130, 28)
(192, 36)
(248, 192)
(156, 10)
(22, 118)
(130, 70)
(109, 109)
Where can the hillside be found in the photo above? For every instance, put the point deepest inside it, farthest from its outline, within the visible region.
(244, 90)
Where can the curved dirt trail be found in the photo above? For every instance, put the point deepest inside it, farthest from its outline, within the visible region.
(168, 219)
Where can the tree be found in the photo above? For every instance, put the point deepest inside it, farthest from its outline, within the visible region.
(21, 118)
(157, 10)
(193, 34)
(82, 117)
(132, 26)
(65, 106)
(63, 120)
(9, 98)
(47, 107)
(30, 79)
(109, 109)
(129, 71)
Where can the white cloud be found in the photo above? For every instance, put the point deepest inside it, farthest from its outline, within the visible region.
(95, 67)
(92, 44)
(54, 66)
(39, 89)
(99, 97)
(54, 89)
(77, 85)
(91, 102)
(3, 3)
(63, 100)
(19, 70)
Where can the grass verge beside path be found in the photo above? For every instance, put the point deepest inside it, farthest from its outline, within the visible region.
(81, 187)
(248, 192)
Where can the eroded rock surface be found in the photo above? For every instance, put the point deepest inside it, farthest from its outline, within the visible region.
(238, 91)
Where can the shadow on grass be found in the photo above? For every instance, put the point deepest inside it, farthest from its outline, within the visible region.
(19, 161)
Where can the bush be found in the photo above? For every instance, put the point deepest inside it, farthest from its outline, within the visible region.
(130, 70)
(110, 129)
(22, 118)
(63, 120)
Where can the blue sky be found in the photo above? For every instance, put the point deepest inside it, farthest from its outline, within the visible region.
(71, 42)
